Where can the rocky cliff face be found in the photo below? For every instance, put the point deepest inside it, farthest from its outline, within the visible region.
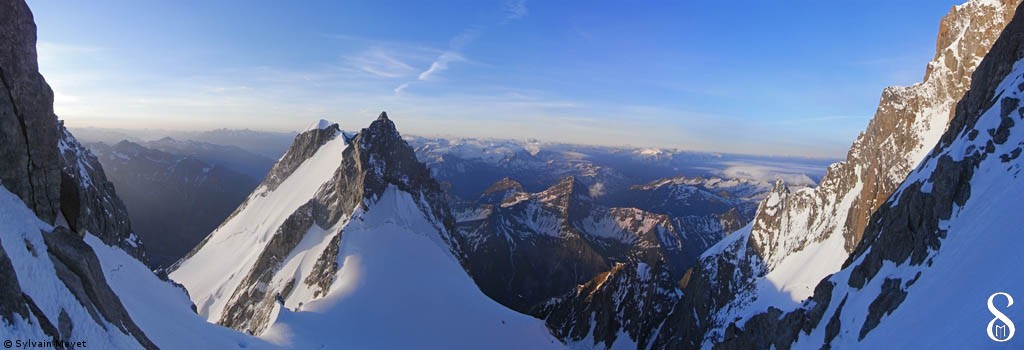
(599, 276)
(615, 309)
(954, 210)
(526, 248)
(57, 177)
(50, 276)
(30, 132)
(89, 202)
(829, 221)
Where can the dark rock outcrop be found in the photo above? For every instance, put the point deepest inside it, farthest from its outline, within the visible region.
(12, 302)
(79, 268)
(89, 202)
(628, 300)
(28, 126)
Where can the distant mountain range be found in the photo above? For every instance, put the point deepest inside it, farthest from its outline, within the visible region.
(268, 144)
(469, 166)
(174, 200)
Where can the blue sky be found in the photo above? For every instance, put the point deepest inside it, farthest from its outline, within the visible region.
(761, 77)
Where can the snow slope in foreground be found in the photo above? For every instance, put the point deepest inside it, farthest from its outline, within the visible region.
(159, 308)
(162, 309)
(396, 288)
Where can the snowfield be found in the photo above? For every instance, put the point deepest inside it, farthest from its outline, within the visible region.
(396, 288)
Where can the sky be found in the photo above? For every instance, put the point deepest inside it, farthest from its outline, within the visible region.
(796, 78)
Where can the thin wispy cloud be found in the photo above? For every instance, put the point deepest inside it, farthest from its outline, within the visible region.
(513, 10)
(379, 62)
(400, 88)
(441, 64)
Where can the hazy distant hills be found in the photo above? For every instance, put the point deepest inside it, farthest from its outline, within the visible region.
(173, 200)
(270, 144)
(178, 191)
(254, 165)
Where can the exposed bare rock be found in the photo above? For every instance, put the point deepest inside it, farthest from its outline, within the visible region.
(28, 127)
(80, 270)
(11, 303)
(88, 200)
(616, 307)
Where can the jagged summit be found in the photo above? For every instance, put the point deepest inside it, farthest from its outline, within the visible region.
(381, 132)
(568, 193)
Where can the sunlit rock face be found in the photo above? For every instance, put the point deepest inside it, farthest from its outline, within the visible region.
(800, 236)
(936, 249)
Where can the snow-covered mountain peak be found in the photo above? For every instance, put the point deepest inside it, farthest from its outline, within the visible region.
(321, 234)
